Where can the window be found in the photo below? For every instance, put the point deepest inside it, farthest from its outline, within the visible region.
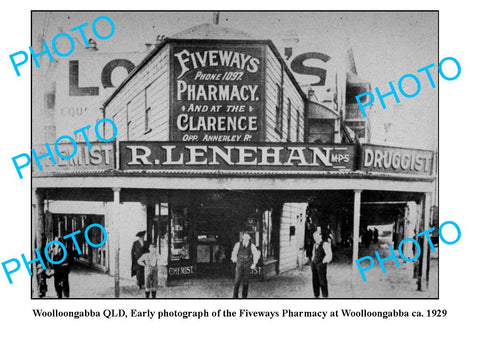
(278, 111)
(321, 131)
(289, 119)
(148, 108)
(50, 100)
(180, 232)
(288, 51)
(60, 224)
(128, 121)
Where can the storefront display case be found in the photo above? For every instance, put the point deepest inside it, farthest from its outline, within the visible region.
(91, 257)
(180, 262)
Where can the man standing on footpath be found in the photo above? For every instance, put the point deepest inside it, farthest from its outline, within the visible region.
(60, 270)
(322, 255)
(138, 249)
(246, 256)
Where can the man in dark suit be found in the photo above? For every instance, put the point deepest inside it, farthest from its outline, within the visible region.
(322, 255)
(61, 269)
(138, 249)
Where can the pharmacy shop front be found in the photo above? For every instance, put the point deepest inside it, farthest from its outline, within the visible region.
(195, 201)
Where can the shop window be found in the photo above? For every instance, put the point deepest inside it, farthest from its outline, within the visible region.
(163, 219)
(180, 236)
(65, 224)
(97, 255)
(148, 108)
(278, 111)
(157, 226)
(268, 249)
(289, 119)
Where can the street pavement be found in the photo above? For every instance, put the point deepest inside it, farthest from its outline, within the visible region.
(397, 282)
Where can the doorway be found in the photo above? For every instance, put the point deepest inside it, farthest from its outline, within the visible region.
(218, 222)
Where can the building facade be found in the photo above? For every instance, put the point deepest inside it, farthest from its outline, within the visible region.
(216, 138)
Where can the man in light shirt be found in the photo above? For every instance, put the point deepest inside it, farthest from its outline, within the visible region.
(246, 256)
(322, 255)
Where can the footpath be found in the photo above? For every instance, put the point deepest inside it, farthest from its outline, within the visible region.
(396, 283)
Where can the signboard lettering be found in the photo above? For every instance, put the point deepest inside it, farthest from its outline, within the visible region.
(180, 271)
(218, 91)
(99, 157)
(396, 160)
(260, 156)
(298, 66)
(106, 77)
(79, 86)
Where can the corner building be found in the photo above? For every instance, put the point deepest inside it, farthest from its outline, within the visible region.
(212, 143)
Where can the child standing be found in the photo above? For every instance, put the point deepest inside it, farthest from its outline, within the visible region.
(151, 262)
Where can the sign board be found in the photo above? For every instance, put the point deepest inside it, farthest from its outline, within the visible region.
(258, 156)
(396, 160)
(101, 156)
(137, 155)
(180, 271)
(218, 92)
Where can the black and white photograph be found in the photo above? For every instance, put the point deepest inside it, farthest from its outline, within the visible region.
(242, 169)
(235, 154)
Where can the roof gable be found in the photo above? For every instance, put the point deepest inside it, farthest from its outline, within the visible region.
(209, 31)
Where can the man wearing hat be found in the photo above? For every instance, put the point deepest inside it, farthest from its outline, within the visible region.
(246, 256)
(138, 249)
(322, 255)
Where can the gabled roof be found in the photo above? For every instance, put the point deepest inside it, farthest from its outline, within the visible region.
(209, 32)
(214, 32)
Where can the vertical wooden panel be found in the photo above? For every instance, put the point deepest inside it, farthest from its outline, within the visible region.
(289, 249)
(290, 92)
(154, 75)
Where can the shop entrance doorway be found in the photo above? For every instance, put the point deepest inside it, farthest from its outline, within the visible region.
(218, 223)
(204, 227)
(217, 231)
